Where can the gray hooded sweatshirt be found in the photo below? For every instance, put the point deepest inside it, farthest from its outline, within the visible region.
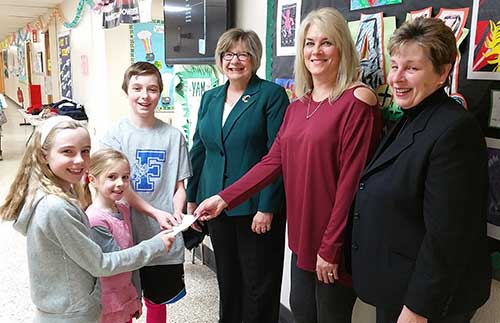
(64, 262)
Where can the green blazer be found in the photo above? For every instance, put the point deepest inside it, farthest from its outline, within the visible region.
(220, 155)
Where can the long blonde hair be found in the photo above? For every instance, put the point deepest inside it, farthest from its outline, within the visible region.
(34, 174)
(334, 26)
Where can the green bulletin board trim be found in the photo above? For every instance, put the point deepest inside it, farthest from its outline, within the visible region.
(271, 26)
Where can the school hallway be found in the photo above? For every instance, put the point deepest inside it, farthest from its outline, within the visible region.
(199, 305)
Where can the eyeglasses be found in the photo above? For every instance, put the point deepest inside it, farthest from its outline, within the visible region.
(227, 56)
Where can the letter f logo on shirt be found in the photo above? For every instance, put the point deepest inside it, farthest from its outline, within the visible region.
(147, 167)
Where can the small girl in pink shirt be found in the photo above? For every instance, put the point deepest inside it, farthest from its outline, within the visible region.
(109, 174)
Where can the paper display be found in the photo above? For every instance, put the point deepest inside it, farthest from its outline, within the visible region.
(187, 220)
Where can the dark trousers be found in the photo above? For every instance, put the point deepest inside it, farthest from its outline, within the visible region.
(312, 301)
(391, 316)
(249, 268)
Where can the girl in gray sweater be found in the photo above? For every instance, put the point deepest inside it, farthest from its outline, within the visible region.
(45, 201)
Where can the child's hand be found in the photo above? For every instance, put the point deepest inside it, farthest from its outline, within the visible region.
(178, 217)
(167, 239)
(165, 219)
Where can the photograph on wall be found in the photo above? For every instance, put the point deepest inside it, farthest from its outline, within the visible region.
(287, 23)
(65, 67)
(363, 4)
(484, 47)
(147, 44)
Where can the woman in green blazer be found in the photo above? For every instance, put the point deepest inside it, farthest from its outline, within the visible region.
(236, 126)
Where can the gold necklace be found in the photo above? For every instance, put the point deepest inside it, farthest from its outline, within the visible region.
(309, 115)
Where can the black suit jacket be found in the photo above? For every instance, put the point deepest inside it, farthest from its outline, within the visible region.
(419, 218)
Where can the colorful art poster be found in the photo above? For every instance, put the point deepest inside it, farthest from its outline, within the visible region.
(371, 36)
(289, 86)
(484, 47)
(288, 21)
(147, 44)
(191, 82)
(65, 67)
(363, 4)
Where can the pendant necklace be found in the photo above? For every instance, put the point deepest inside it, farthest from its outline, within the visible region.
(309, 115)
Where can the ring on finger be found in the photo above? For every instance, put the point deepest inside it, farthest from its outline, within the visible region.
(330, 274)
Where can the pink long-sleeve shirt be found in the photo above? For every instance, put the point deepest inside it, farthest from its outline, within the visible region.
(321, 160)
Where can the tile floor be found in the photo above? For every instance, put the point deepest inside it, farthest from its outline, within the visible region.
(200, 304)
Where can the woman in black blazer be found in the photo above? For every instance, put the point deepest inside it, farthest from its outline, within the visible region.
(237, 124)
(419, 246)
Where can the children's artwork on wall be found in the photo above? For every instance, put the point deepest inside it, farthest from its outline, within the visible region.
(484, 47)
(371, 35)
(191, 82)
(370, 46)
(363, 4)
(21, 62)
(455, 19)
(425, 12)
(289, 86)
(287, 22)
(65, 66)
(147, 44)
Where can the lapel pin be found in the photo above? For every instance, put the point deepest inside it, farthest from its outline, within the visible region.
(245, 98)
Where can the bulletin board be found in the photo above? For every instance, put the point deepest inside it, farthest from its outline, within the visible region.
(474, 89)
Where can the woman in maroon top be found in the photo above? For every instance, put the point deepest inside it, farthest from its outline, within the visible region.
(321, 149)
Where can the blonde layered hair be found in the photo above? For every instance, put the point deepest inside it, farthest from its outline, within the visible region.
(34, 174)
(333, 25)
(247, 37)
